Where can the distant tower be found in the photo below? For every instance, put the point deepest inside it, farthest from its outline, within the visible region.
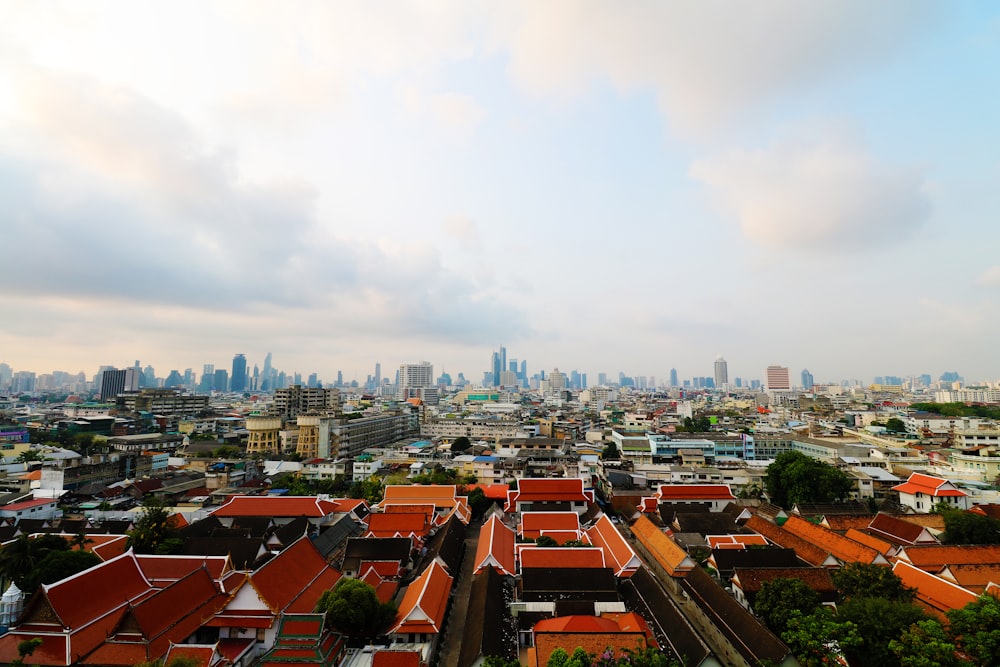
(673, 377)
(238, 378)
(721, 372)
(807, 379)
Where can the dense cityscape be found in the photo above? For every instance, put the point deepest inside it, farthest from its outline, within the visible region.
(511, 520)
(499, 334)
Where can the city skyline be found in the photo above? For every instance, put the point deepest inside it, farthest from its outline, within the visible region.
(602, 188)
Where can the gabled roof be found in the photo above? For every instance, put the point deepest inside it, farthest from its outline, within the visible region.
(424, 602)
(694, 492)
(277, 506)
(671, 557)
(164, 570)
(548, 489)
(535, 524)
(80, 599)
(444, 497)
(842, 548)
(292, 575)
(883, 547)
(936, 593)
(203, 655)
(897, 531)
(727, 560)
(496, 547)
(576, 624)
(740, 541)
(932, 486)
(617, 552)
(933, 558)
(562, 557)
(975, 578)
(750, 579)
(805, 550)
(398, 524)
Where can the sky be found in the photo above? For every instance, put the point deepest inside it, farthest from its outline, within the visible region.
(600, 186)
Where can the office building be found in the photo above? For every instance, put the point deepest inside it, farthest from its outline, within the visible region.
(673, 378)
(721, 372)
(238, 379)
(413, 377)
(296, 400)
(114, 382)
(807, 379)
(777, 378)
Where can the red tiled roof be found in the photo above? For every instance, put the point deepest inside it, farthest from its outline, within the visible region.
(933, 558)
(424, 602)
(290, 574)
(975, 578)
(495, 492)
(277, 506)
(548, 489)
(403, 524)
(562, 557)
(85, 596)
(202, 655)
(160, 570)
(898, 531)
(576, 624)
(390, 658)
(27, 504)
(695, 492)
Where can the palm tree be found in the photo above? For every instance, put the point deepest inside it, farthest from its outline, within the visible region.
(17, 560)
(80, 541)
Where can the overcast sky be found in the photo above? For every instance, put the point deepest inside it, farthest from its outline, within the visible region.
(602, 186)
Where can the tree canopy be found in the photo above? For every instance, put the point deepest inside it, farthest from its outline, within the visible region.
(779, 600)
(153, 533)
(460, 444)
(862, 580)
(796, 478)
(879, 621)
(976, 629)
(354, 609)
(970, 528)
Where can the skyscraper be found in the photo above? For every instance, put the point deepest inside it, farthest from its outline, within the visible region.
(673, 377)
(807, 379)
(777, 378)
(721, 372)
(238, 379)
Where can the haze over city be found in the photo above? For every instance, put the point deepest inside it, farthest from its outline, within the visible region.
(607, 187)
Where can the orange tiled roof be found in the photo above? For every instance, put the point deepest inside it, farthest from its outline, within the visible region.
(617, 552)
(422, 608)
(548, 489)
(535, 524)
(735, 541)
(936, 593)
(842, 548)
(883, 547)
(975, 578)
(107, 547)
(674, 560)
(496, 547)
(805, 550)
(934, 487)
(562, 557)
(933, 558)
(898, 531)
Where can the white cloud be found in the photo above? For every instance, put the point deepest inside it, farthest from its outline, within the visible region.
(990, 277)
(823, 194)
(707, 61)
(464, 230)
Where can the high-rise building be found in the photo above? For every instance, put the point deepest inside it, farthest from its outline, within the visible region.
(721, 372)
(415, 376)
(673, 378)
(777, 378)
(807, 379)
(221, 382)
(378, 374)
(114, 382)
(207, 383)
(238, 379)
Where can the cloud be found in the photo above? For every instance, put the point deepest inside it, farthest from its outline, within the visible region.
(827, 193)
(990, 277)
(464, 230)
(707, 62)
(120, 203)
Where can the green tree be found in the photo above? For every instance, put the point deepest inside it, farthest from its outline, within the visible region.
(545, 541)
(478, 502)
(878, 621)
(500, 661)
(976, 629)
(861, 580)
(25, 649)
(610, 452)
(970, 528)
(794, 478)
(460, 444)
(17, 560)
(819, 639)
(926, 644)
(780, 600)
(369, 490)
(895, 424)
(560, 658)
(354, 609)
(153, 533)
(57, 565)
(29, 456)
